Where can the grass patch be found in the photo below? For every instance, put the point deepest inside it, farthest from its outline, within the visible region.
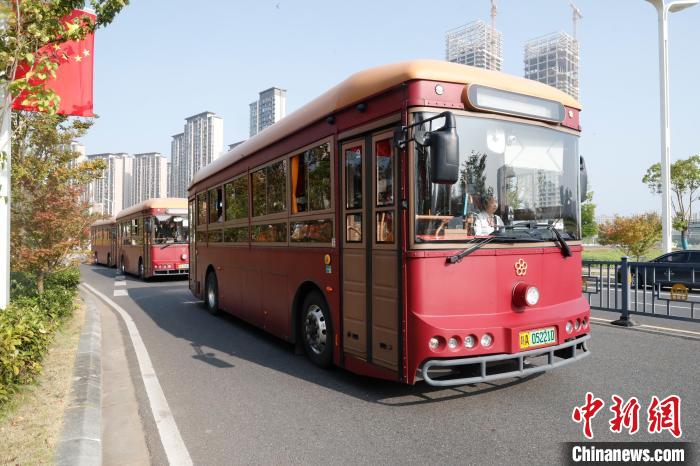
(601, 253)
(30, 424)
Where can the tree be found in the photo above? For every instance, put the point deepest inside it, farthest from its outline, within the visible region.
(685, 182)
(589, 227)
(30, 25)
(634, 235)
(50, 220)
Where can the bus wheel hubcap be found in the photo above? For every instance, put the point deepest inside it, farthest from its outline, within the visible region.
(315, 329)
(211, 296)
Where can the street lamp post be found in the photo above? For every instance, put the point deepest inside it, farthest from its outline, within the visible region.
(663, 9)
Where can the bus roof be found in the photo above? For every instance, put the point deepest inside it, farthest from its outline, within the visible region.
(373, 81)
(156, 203)
(104, 221)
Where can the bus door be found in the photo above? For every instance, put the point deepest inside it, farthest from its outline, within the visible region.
(370, 249)
(192, 249)
(147, 242)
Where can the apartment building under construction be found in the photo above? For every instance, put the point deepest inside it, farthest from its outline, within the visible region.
(476, 44)
(554, 59)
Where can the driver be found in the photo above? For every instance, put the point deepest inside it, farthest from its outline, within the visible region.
(486, 221)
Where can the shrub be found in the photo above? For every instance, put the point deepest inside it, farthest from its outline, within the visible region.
(28, 324)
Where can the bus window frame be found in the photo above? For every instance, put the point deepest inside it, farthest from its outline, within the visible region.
(269, 219)
(410, 161)
(380, 136)
(355, 142)
(325, 214)
(238, 222)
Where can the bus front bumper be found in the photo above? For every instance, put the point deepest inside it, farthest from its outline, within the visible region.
(462, 371)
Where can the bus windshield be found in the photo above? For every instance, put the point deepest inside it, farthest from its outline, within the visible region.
(516, 180)
(168, 229)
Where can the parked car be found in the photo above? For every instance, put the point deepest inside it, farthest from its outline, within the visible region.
(689, 259)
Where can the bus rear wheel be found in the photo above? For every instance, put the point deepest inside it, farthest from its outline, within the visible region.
(317, 330)
(109, 260)
(211, 298)
(122, 267)
(142, 270)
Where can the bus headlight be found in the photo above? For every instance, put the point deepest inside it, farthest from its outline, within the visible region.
(469, 341)
(577, 325)
(183, 257)
(569, 327)
(525, 295)
(434, 343)
(453, 343)
(486, 340)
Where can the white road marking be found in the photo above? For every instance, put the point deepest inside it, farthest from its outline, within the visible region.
(119, 277)
(654, 327)
(120, 283)
(121, 293)
(170, 437)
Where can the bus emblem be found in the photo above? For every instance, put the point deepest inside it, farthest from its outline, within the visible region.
(520, 268)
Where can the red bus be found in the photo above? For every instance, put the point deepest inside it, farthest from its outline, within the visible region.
(103, 242)
(419, 221)
(153, 238)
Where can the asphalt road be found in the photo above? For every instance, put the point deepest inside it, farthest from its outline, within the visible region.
(240, 396)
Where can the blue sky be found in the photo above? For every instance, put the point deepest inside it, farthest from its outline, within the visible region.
(160, 62)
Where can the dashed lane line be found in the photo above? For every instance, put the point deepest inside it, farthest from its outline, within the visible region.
(120, 283)
(170, 437)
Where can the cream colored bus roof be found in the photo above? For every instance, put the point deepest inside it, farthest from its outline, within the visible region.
(104, 221)
(373, 81)
(156, 203)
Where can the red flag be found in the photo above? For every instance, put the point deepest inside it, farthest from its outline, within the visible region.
(73, 82)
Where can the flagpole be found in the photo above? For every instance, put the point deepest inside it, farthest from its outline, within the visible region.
(5, 190)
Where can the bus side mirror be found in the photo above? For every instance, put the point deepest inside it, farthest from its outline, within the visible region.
(444, 151)
(583, 174)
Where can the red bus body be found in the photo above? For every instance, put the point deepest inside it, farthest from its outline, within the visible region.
(141, 251)
(389, 296)
(103, 242)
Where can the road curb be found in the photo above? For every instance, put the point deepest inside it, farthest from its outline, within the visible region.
(80, 442)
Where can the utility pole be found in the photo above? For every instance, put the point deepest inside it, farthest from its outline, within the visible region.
(576, 15)
(5, 190)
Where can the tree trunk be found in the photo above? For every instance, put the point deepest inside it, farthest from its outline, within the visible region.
(684, 239)
(40, 282)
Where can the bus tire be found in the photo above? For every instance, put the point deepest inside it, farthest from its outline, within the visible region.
(317, 330)
(142, 270)
(122, 267)
(109, 260)
(94, 259)
(211, 294)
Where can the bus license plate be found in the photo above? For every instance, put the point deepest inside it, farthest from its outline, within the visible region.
(538, 337)
(183, 266)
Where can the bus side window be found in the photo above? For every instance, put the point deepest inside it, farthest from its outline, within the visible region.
(202, 208)
(216, 205)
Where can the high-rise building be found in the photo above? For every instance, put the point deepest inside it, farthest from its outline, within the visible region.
(253, 118)
(268, 109)
(554, 59)
(178, 166)
(150, 176)
(475, 44)
(113, 191)
(201, 142)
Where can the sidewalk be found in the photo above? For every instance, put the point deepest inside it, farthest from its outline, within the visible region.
(102, 426)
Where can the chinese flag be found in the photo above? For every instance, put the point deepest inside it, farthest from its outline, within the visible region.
(73, 82)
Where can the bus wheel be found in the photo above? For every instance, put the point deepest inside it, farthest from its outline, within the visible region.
(94, 259)
(109, 260)
(316, 330)
(142, 270)
(212, 294)
(122, 267)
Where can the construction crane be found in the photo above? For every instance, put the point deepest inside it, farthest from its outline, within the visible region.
(576, 15)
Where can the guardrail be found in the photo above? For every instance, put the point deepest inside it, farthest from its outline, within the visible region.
(670, 291)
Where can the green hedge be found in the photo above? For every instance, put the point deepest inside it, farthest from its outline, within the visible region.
(28, 324)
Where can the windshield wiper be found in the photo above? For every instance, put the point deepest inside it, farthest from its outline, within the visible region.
(458, 257)
(565, 249)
